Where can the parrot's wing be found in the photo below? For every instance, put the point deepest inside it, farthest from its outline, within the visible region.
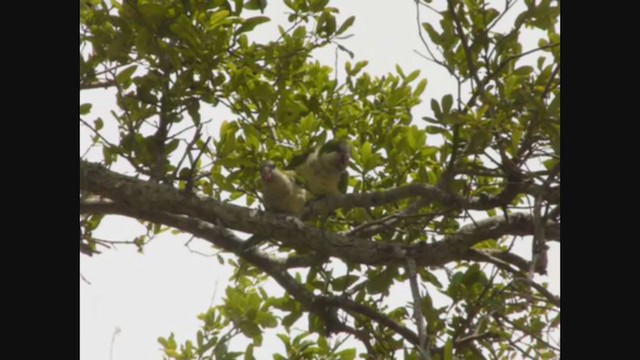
(297, 179)
(298, 160)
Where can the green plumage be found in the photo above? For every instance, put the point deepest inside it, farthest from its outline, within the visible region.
(282, 191)
(324, 170)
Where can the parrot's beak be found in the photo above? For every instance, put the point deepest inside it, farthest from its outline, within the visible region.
(266, 174)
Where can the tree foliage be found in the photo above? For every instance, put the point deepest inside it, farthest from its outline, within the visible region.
(435, 203)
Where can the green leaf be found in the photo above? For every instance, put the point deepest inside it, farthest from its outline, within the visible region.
(448, 350)
(98, 123)
(248, 355)
(85, 109)
(308, 123)
(266, 319)
(381, 282)
(290, 319)
(322, 344)
(414, 75)
(343, 282)
(346, 25)
(217, 19)
(250, 23)
(262, 90)
(426, 275)
(447, 103)
(348, 354)
(436, 109)
(153, 12)
(479, 141)
(317, 5)
(249, 329)
(199, 339)
(433, 34)
(255, 4)
(193, 110)
(523, 70)
(554, 106)
(415, 138)
(124, 77)
(365, 154)
(183, 28)
(172, 146)
(551, 163)
(291, 4)
(420, 88)
(285, 340)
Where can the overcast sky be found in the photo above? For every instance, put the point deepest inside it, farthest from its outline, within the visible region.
(163, 290)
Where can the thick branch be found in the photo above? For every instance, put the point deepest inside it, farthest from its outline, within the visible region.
(145, 196)
(429, 194)
(105, 206)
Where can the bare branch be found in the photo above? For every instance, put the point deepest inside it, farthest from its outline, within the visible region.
(352, 306)
(84, 279)
(467, 49)
(98, 84)
(426, 44)
(501, 259)
(417, 309)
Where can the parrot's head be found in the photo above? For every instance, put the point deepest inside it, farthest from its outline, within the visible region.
(338, 152)
(266, 170)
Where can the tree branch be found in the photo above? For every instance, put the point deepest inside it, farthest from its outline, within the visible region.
(499, 258)
(98, 84)
(417, 310)
(428, 193)
(352, 306)
(145, 196)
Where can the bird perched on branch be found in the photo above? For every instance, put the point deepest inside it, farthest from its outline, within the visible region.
(324, 170)
(282, 192)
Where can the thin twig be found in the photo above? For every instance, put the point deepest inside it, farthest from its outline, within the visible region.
(417, 312)
(84, 279)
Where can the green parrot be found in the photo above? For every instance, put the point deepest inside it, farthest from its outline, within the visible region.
(282, 192)
(324, 170)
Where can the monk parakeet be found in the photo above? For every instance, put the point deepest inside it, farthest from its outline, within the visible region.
(324, 170)
(281, 191)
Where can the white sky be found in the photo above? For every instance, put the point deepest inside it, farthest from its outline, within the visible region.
(163, 290)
